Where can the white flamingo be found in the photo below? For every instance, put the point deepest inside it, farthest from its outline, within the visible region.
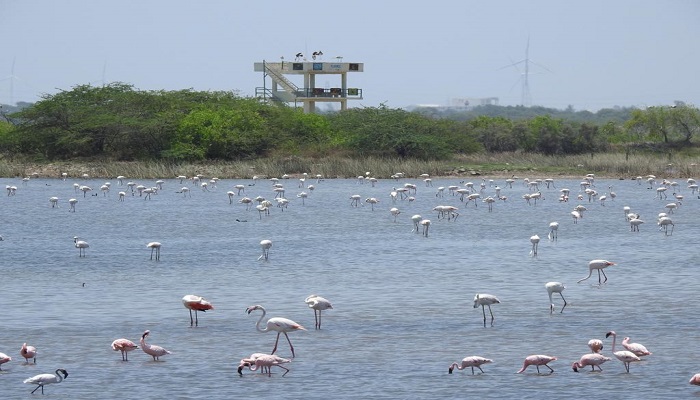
(535, 240)
(555, 287)
(277, 324)
(416, 221)
(46, 379)
(597, 265)
(638, 349)
(395, 212)
(426, 226)
(483, 300)
(81, 245)
(155, 248)
(624, 355)
(553, 231)
(318, 304)
(265, 245)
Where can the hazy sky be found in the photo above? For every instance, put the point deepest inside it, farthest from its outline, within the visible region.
(597, 53)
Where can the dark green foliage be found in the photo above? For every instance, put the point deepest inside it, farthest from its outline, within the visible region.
(119, 122)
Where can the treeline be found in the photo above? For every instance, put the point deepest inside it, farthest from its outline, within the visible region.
(119, 122)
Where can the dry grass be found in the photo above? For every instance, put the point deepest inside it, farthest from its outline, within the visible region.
(612, 165)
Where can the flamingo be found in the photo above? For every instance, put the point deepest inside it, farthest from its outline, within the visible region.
(535, 240)
(355, 200)
(246, 362)
(53, 201)
(372, 201)
(634, 224)
(72, 203)
(537, 360)
(594, 360)
(155, 247)
(483, 299)
(265, 245)
(28, 352)
(318, 304)
(426, 226)
(472, 361)
(4, 358)
(596, 345)
(663, 223)
(265, 361)
(46, 379)
(624, 355)
(125, 346)
(599, 265)
(277, 324)
(395, 212)
(81, 245)
(695, 380)
(638, 349)
(577, 215)
(152, 350)
(555, 287)
(416, 220)
(196, 303)
(553, 231)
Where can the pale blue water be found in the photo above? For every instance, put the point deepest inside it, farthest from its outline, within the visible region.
(402, 302)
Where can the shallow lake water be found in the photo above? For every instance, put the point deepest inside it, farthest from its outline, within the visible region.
(402, 302)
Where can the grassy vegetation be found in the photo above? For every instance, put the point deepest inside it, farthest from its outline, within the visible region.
(610, 165)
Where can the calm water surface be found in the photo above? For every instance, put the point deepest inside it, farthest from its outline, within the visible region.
(402, 302)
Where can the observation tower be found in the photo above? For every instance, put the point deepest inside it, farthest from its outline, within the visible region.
(280, 88)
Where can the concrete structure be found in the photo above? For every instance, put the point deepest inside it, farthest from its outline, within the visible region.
(282, 89)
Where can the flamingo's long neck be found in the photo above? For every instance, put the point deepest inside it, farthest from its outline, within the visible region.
(257, 325)
(60, 377)
(614, 340)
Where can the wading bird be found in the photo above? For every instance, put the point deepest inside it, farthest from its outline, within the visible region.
(599, 265)
(277, 324)
(537, 360)
(265, 361)
(623, 355)
(483, 300)
(593, 359)
(81, 245)
(196, 303)
(265, 245)
(125, 346)
(555, 287)
(318, 304)
(152, 350)
(46, 379)
(28, 352)
(472, 361)
(155, 247)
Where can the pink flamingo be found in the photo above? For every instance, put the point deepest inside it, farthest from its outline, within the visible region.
(636, 348)
(599, 265)
(695, 380)
(4, 358)
(625, 356)
(266, 361)
(125, 346)
(246, 362)
(596, 345)
(593, 359)
(28, 352)
(537, 360)
(277, 324)
(196, 303)
(152, 350)
(472, 361)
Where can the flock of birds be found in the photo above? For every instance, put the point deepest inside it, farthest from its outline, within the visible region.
(467, 193)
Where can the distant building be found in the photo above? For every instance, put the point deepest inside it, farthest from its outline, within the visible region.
(458, 103)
